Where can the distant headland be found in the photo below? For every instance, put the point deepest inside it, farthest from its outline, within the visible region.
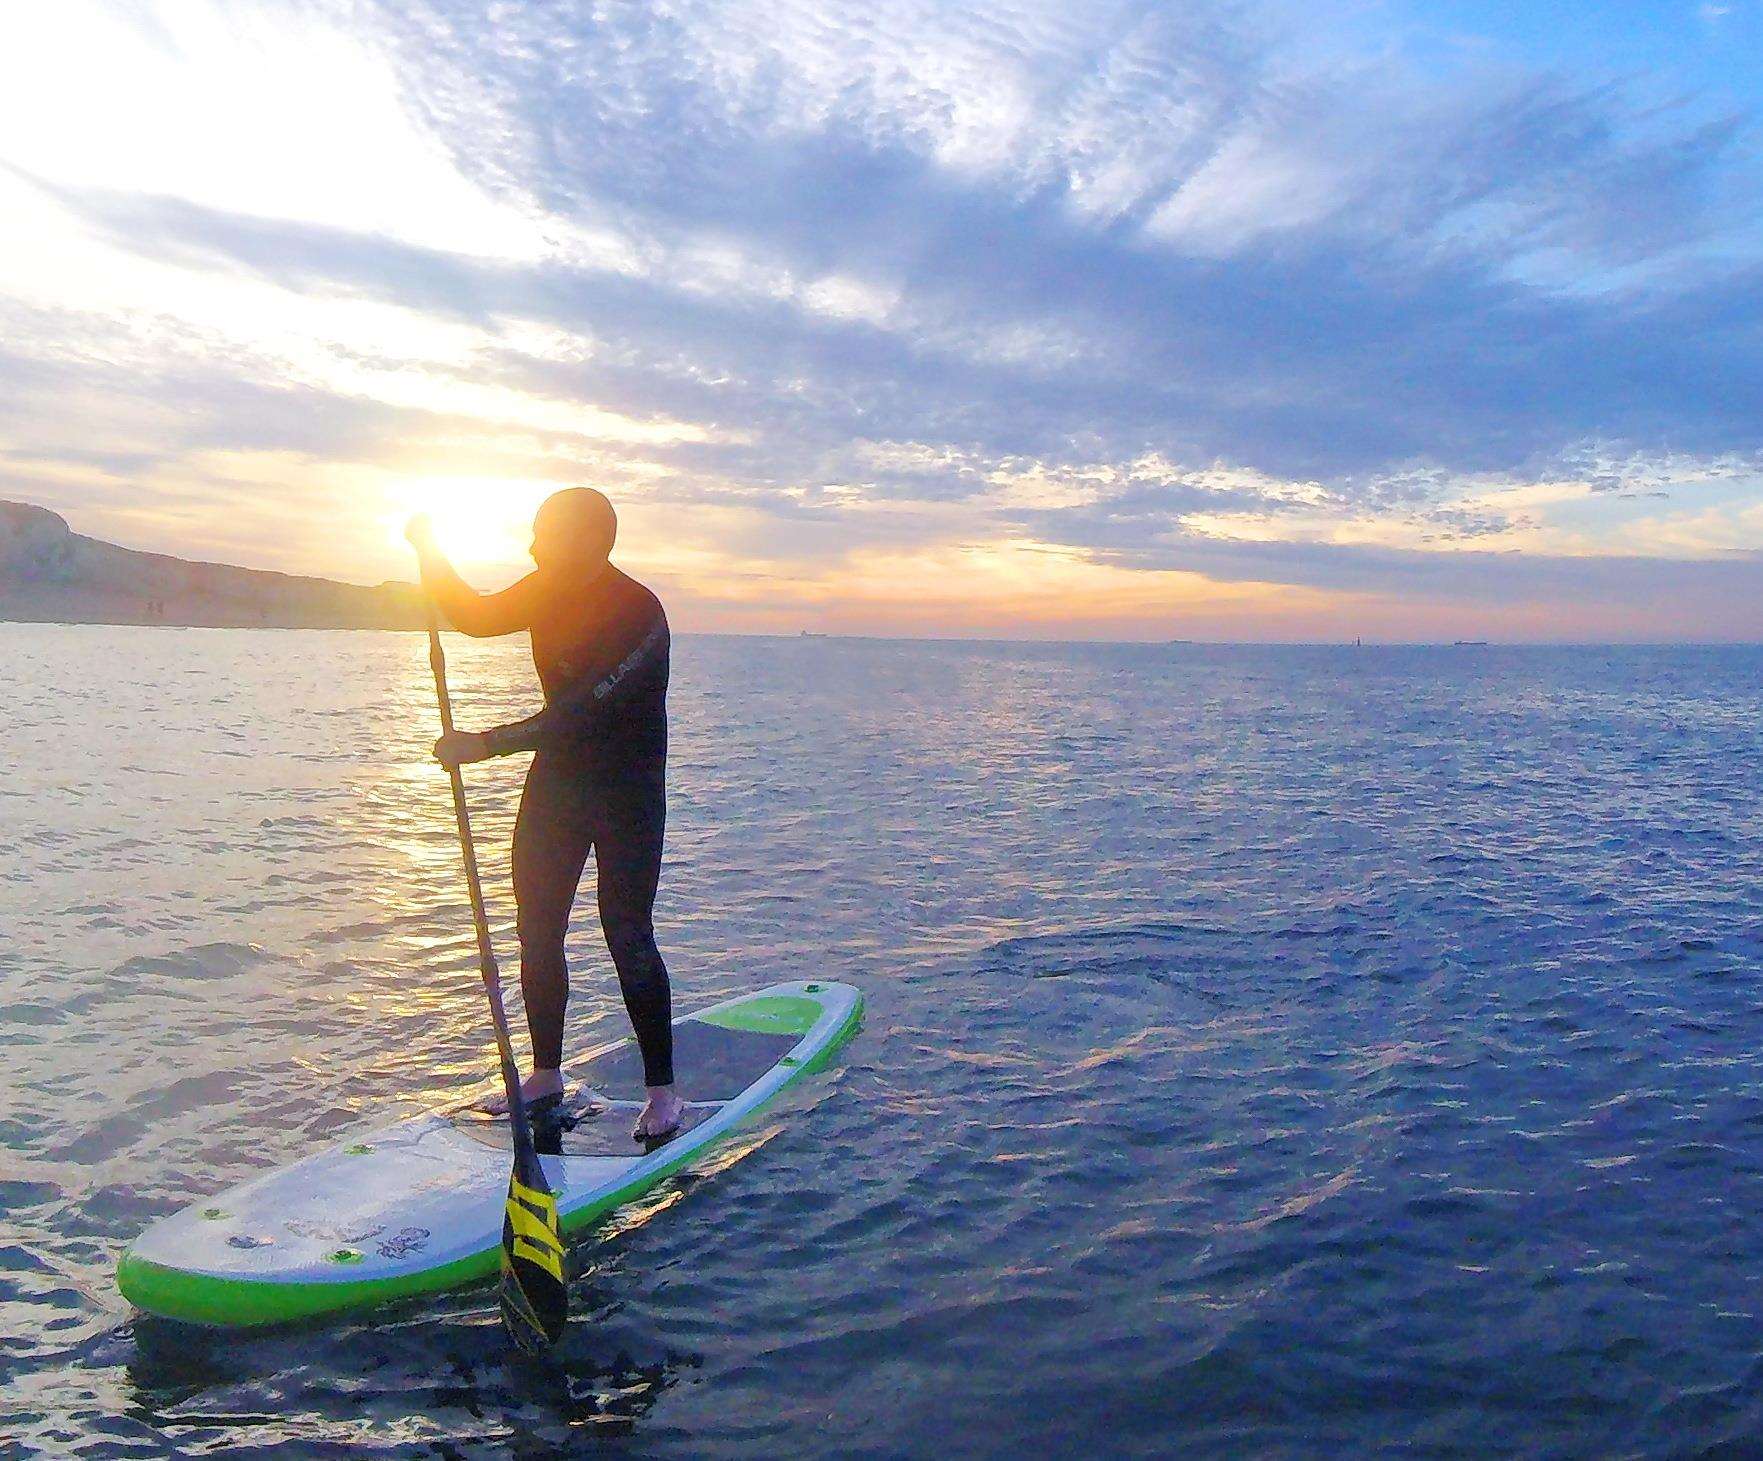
(50, 574)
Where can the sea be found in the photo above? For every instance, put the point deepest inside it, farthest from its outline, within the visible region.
(1270, 1051)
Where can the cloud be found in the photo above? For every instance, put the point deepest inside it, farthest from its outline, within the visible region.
(1289, 277)
(1099, 273)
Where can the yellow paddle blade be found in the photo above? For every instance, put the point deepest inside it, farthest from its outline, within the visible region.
(534, 1297)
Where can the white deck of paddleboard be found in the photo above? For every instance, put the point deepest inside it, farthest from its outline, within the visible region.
(422, 1193)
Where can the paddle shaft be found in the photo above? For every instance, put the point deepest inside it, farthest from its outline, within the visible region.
(486, 953)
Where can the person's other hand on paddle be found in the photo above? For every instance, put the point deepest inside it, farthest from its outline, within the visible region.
(419, 532)
(461, 748)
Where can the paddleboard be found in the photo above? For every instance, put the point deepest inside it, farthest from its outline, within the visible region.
(416, 1207)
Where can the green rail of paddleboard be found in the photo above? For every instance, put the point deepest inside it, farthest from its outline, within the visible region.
(203, 1299)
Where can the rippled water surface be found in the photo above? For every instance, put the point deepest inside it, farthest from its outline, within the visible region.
(1269, 1051)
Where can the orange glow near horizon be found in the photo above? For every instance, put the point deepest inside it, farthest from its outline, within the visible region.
(1006, 590)
(719, 570)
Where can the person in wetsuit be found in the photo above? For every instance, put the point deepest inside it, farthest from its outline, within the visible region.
(598, 775)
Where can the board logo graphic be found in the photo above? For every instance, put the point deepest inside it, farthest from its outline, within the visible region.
(404, 1242)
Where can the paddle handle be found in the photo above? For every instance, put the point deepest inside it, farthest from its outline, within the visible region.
(486, 952)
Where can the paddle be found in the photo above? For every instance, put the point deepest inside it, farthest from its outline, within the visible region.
(535, 1302)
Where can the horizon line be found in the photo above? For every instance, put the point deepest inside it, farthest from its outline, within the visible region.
(787, 637)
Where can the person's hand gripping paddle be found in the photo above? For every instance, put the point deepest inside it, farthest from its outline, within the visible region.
(534, 1297)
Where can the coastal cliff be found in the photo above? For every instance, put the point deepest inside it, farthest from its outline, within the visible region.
(51, 574)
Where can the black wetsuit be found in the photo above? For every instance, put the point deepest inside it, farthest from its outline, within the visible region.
(598, 781)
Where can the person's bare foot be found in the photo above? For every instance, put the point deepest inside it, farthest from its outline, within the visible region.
(661, 1117)
(539, 1084)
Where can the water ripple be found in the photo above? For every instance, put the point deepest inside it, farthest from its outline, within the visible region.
(1270, 1052)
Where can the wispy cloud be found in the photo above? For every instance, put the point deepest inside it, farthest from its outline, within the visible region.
(1216, 289)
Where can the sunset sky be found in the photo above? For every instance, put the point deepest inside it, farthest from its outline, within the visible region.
(1044, 318)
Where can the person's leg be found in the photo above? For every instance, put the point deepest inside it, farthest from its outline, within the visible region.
(551, 842)
(627, 856)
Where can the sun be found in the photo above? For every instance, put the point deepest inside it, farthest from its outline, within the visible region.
(482, 523)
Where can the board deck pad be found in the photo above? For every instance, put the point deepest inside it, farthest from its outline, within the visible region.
(416, 1206)
(710, 1063)
(588, 1127)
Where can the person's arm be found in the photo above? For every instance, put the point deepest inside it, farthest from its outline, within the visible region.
(565, 718)
(483, 616)
(572, 714)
